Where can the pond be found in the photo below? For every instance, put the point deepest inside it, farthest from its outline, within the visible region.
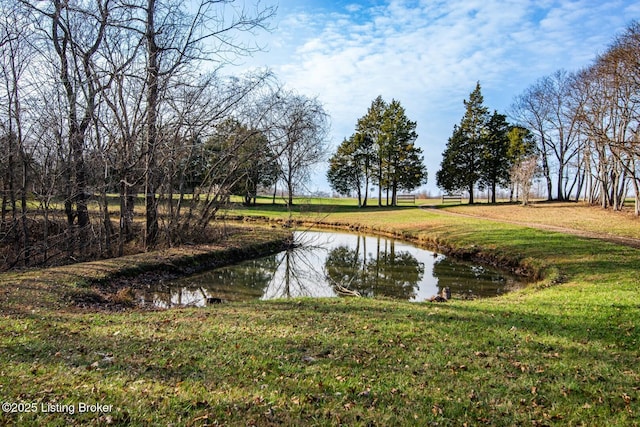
(328, 264)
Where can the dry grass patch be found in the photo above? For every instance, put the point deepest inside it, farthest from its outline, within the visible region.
(576, 216)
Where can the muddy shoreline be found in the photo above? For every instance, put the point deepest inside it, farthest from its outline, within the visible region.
(114, 291)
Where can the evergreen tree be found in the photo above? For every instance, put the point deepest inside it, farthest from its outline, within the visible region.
(452, 175)
(495, 164)
(350, 167)
(342, 175)
(371, 125)
(382, 150)
(414, 172)
(521, 147)
(403, 163)
(365, 158)
(521, 144)
(462, 160)
(242, 158)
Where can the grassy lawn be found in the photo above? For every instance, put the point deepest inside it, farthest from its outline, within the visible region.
(562, 352)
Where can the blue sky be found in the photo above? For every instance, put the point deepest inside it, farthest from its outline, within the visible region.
(429, 54)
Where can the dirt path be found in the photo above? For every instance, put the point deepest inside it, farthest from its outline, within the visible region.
(620, 240)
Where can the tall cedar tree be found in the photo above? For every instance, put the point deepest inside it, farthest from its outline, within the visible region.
(521, 147)
(462, 159)
(403, 162)
(350, 167)
(495, 157)
(382, 148)
(371, 125)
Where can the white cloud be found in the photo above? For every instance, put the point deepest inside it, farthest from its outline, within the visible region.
(429, 54)
(353, 8)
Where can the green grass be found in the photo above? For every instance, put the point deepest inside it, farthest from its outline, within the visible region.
(562, 352)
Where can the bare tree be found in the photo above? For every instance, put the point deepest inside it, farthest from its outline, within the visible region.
(545, 110)
(76, 32)
(17, 53)
(298, 136)
(121, 122)
(195, 113)
(593, 111)
(610, 114)
(522, 174)
(176, 37)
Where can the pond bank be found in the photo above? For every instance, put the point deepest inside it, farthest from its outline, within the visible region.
(97, 283)
(507, 261)
(107, 283)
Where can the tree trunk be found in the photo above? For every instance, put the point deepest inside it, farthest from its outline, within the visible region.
(290, 189)
(560, 181)
(3, 215)
(547, 175)
(394, 194)
(106, 220)
(275, 192)
(636, 188)
(366, 190)
(79, 169)
(122, 231)
(151, 205)
(379, 183)
(25, 226)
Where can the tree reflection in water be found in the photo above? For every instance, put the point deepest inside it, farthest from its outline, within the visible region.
(227, 284)
(324, 261)
(387, 273)
(467, 280)
(299, 270)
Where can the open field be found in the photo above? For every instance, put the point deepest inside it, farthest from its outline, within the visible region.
(577, 216)
(562, 352)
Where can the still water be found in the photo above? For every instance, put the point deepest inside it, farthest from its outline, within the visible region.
(326, 263)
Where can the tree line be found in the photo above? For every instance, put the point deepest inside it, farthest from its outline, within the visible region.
(129, 98)
(584, 127)
(381, 152)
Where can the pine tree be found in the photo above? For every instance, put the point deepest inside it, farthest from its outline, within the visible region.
(371, 126)
(495, 163)
(382, 149)
(350, 167)
(462, 159)
(404, 168)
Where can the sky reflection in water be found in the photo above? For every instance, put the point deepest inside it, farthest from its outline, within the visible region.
(370, 265)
